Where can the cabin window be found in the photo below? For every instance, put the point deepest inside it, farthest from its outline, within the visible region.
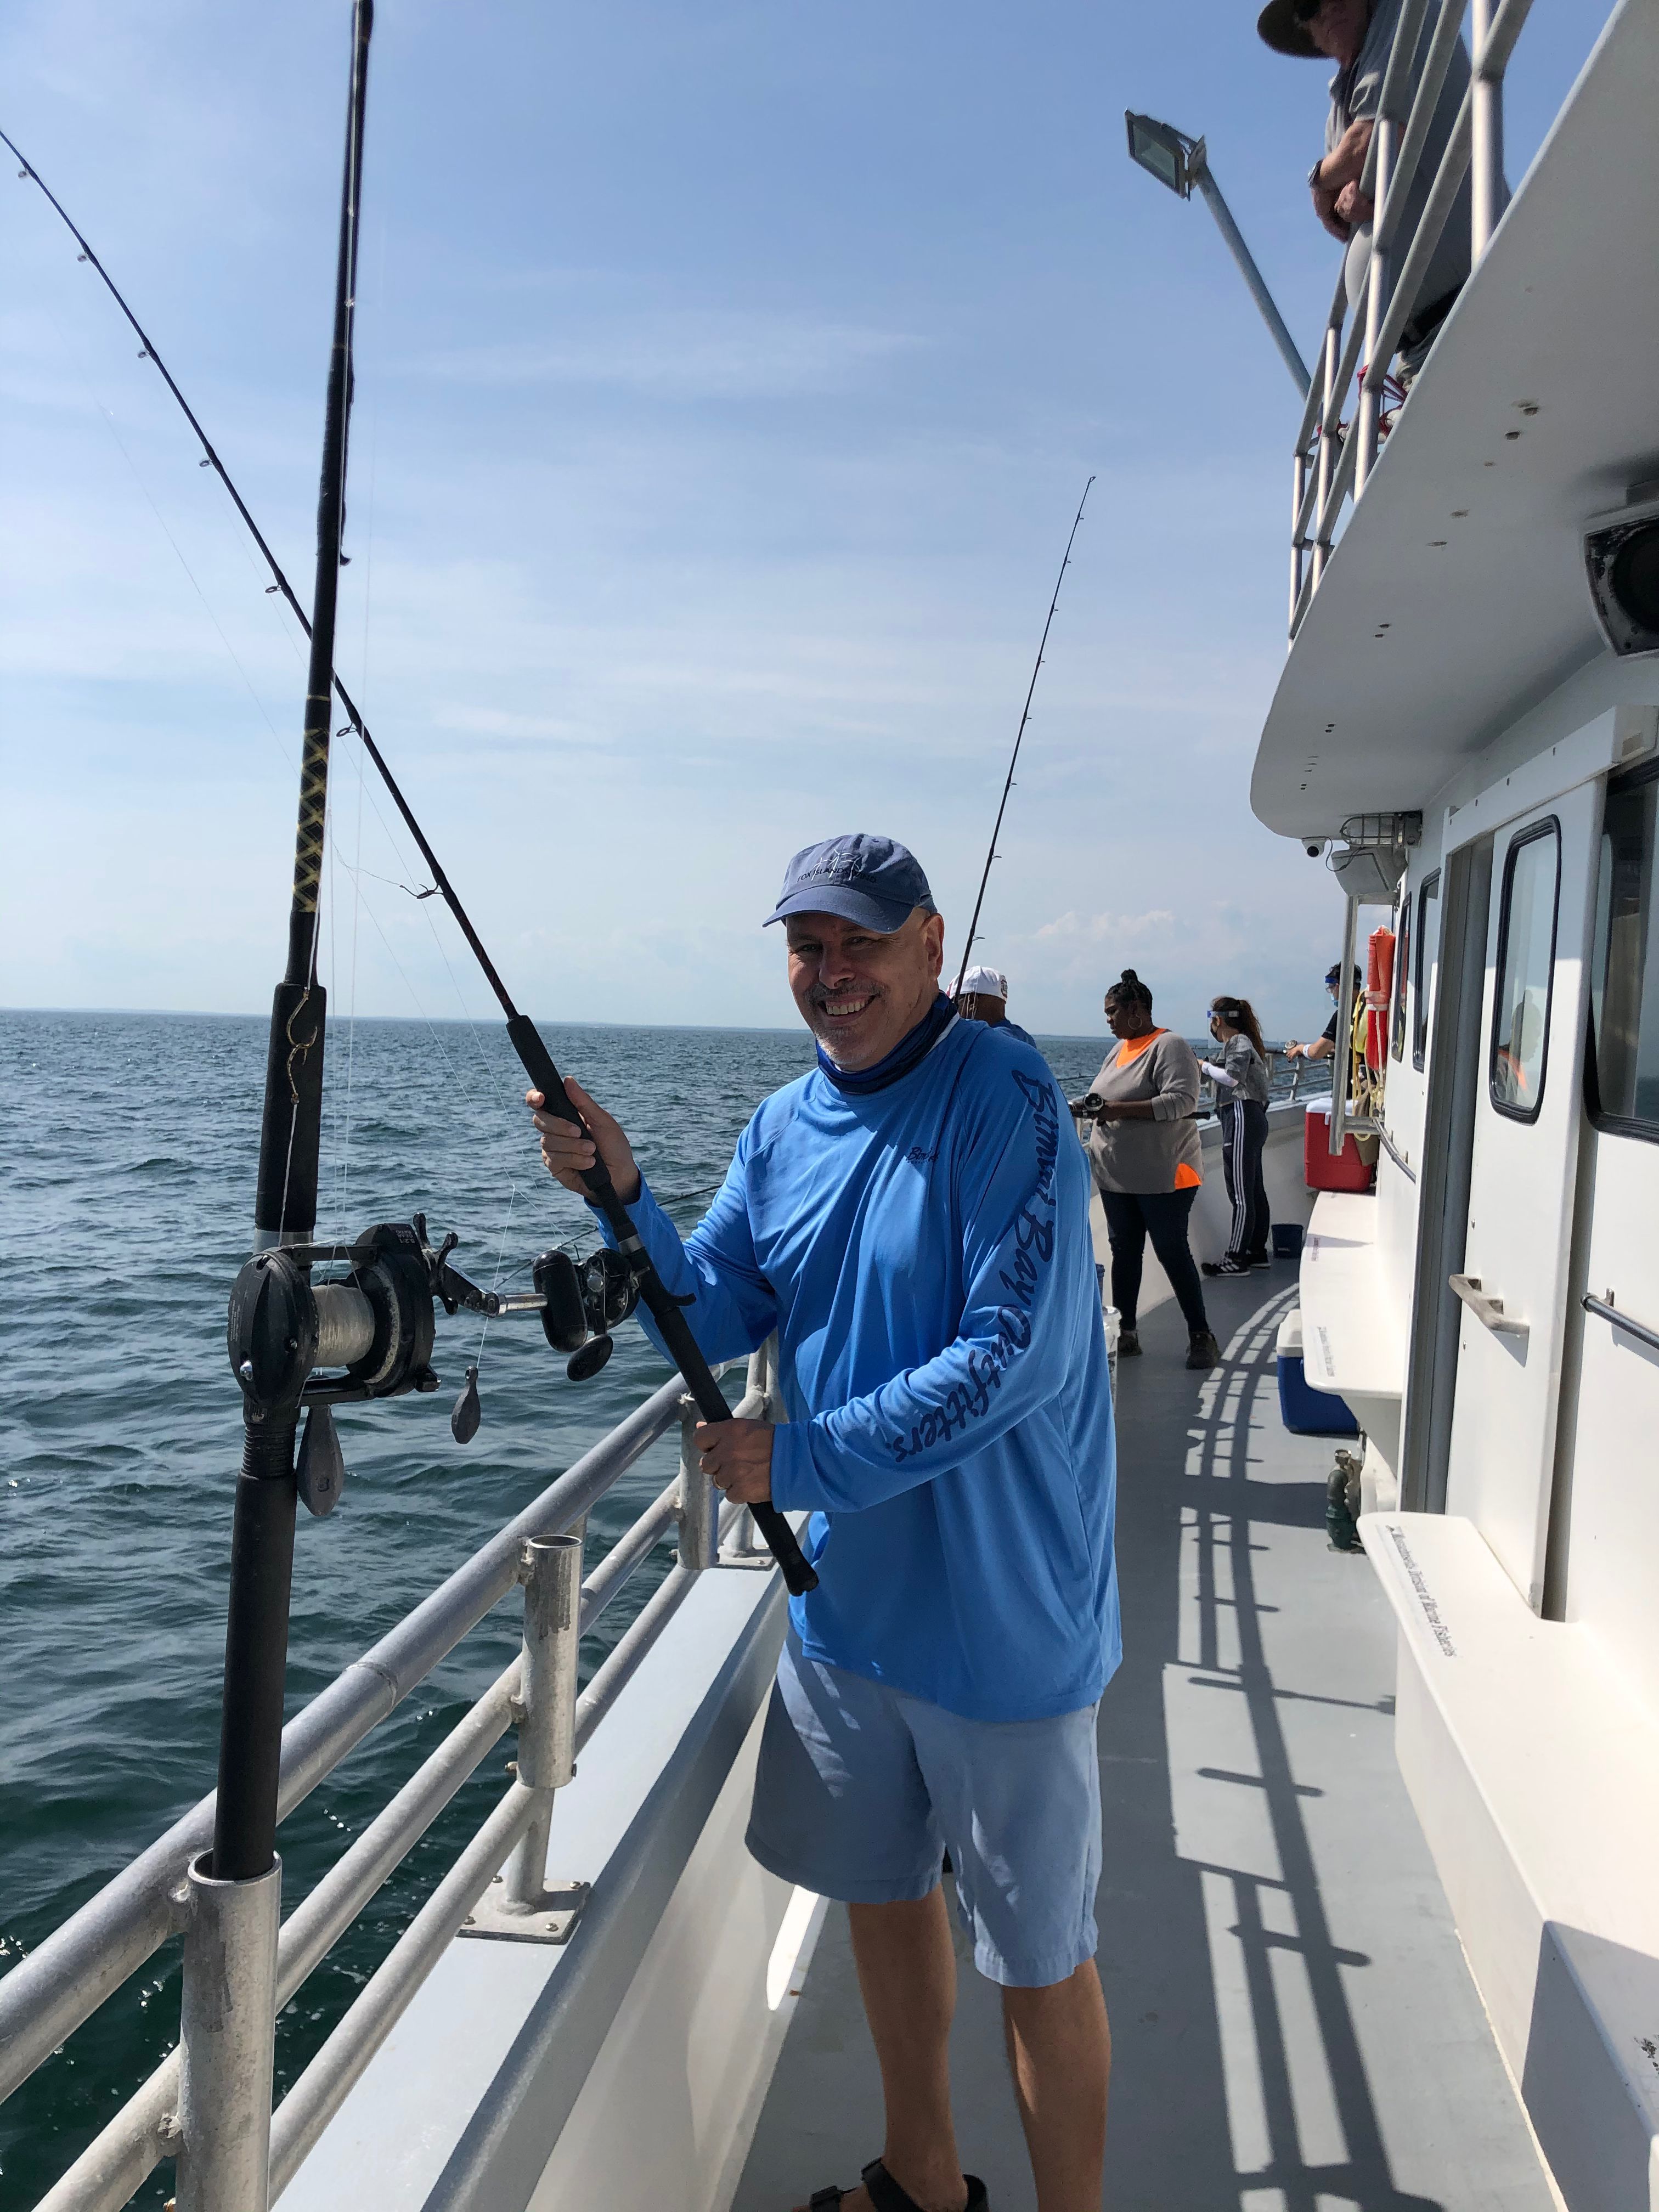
(1526, 967)
(1403, 968)
(1428, 962)
(1624, 965)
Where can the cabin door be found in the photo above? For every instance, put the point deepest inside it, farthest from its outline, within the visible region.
(1513, 1284)
(1604, 1536)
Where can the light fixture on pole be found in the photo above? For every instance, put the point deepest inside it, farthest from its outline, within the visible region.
(1180, 163)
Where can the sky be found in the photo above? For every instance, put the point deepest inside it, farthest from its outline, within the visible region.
(728, 376)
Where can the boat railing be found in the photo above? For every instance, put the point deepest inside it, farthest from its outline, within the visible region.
(1334, 458)
(195, 2107)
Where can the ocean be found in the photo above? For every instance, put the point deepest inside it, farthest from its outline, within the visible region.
(127, 1155)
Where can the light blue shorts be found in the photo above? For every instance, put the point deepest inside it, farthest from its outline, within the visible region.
(860, 1789)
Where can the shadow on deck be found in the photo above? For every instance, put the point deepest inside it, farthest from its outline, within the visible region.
(1295, 2027)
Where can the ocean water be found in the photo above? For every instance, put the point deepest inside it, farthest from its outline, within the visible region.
(127, 1152)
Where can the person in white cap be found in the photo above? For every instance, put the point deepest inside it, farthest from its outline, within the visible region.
(983, 997)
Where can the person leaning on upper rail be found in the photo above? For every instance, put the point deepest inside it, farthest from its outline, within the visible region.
(1143, 1150)
(913, 1222)
(1358, 35)
(983, 997)
(1325, 1043)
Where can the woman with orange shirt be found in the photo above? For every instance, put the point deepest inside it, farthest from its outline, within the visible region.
(1144, 1149)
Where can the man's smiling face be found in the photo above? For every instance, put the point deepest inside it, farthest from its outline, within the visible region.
(860, 990)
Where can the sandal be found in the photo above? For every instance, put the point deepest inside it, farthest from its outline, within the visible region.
(886, 2196)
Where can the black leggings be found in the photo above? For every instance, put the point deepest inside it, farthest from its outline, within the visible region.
(1244, 1133)
(1131, 1217)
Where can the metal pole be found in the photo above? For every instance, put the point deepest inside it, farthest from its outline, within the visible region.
(1377, 305)
(1342, 1058)
(1299, 489)
(1488, 194)
(227, 2022)
(699, 1505)
(552, 1571)
(1327, 454)
(1253, 277)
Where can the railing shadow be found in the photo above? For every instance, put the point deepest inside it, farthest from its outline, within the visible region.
(1219, 2057)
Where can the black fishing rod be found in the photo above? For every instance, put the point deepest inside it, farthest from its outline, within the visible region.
(1025, 715)
(276, 1359)
(396, 1272)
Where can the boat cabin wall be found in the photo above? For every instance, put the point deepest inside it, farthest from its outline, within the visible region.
(1523, 1091)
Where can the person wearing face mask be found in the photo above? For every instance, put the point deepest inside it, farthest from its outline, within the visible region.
(1240, 1077)
(911, 1218)
(1143, 1146)
(1359, 35)
(1325, 1043)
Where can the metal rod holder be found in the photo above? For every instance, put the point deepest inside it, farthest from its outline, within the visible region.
(227, 2028)
(700, 1504)
(552, 1576)
(550, 1568)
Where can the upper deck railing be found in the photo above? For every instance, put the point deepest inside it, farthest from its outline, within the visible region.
(193, 2107)
(1334, 458)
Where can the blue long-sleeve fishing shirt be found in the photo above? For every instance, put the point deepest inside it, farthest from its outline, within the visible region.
(923, 1253)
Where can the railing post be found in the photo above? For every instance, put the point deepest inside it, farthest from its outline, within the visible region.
(700, 1502)
(552, 1569)
(1376, 305)
(1298, 490)
(1327, 454)
(1486, 197)
(227, 2025)
(1342, 1058)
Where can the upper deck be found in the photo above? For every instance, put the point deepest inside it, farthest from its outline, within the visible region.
(1456, 597)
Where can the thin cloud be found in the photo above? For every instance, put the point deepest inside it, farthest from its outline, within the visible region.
(700, 355)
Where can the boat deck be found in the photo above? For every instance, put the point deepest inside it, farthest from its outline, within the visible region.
(1295, 2027)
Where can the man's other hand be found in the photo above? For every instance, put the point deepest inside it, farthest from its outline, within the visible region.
(737, 1457)
(567, 1148)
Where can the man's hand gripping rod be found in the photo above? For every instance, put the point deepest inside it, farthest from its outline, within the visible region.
(655, 1296)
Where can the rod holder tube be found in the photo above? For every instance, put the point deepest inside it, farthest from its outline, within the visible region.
(699, 1513)
(551, 1570)
(226, 2030)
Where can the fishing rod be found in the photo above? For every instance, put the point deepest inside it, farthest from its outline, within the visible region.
(1025, 715)
(396, 1275)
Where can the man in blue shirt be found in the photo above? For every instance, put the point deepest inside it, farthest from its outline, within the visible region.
(911, 1218)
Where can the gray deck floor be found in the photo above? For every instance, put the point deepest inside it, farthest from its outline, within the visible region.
(1295, 2026)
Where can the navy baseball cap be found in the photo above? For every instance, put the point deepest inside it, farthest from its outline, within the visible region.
(866, 879)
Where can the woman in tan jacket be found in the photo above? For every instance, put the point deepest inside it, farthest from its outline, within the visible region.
(1142, 1140)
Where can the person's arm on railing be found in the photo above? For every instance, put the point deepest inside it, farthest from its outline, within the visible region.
(1334, 181)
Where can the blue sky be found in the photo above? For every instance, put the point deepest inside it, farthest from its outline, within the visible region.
(728, 376)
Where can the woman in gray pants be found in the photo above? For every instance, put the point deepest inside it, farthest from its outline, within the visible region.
(1143, 1146)
(1240, 1077)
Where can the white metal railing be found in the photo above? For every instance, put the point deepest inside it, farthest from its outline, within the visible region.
(190, 2107)
(1332, 458)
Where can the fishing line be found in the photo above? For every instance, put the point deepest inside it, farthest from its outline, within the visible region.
(244, 1828)
(1025, 716)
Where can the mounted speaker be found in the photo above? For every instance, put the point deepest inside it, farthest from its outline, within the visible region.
(1621, 559)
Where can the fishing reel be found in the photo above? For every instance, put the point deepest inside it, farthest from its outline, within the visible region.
(298, 1345)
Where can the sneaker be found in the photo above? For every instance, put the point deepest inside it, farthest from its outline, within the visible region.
(1262, 1260)
(1128, 1344)
(1227, 1266)
(1202, 1350)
